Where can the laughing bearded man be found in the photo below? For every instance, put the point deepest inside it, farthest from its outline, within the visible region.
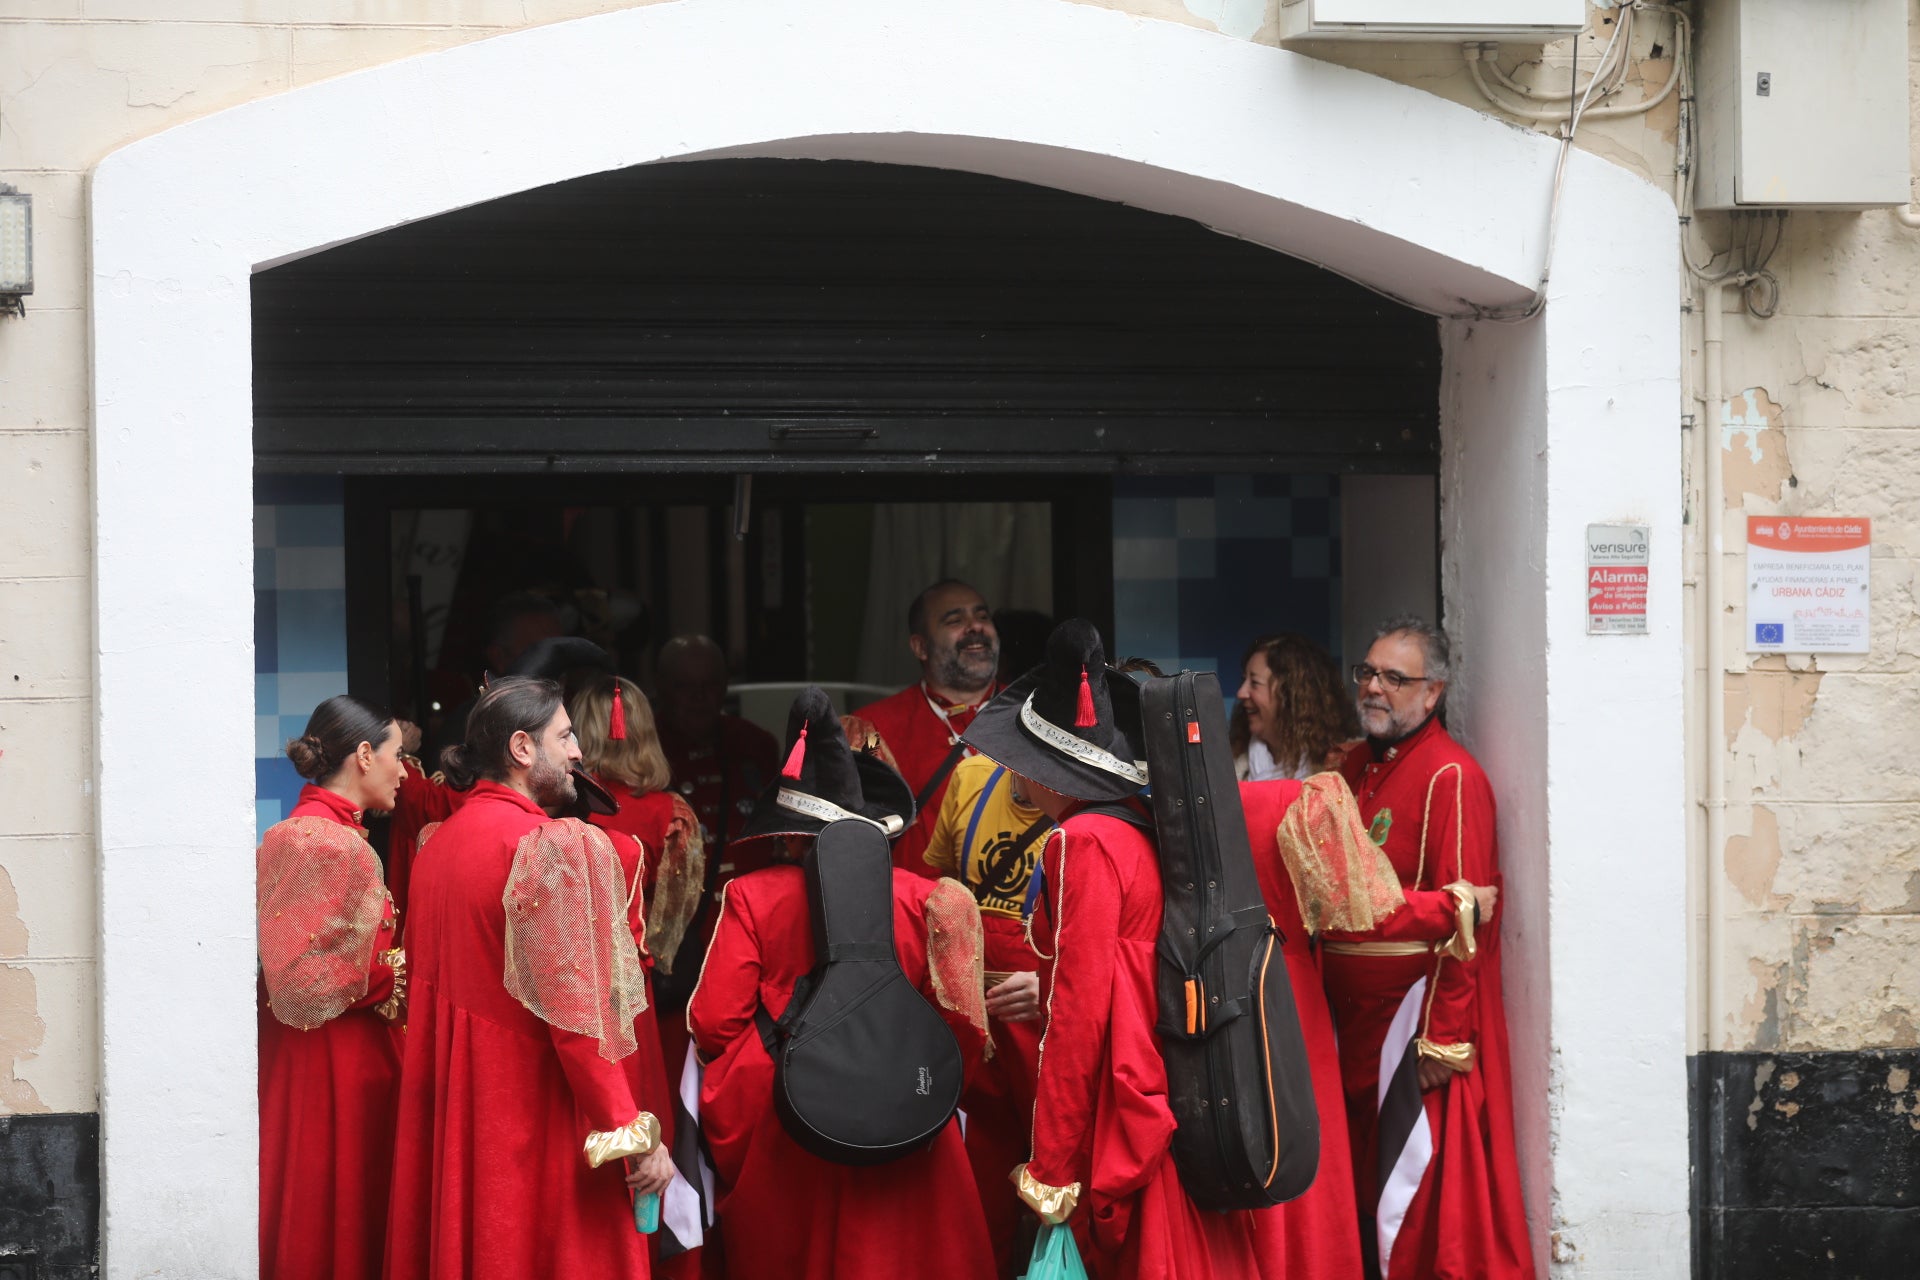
(950, 630)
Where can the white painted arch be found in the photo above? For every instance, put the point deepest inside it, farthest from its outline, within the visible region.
(1548, 426)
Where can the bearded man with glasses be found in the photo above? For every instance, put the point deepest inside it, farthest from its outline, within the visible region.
(1416, 1002)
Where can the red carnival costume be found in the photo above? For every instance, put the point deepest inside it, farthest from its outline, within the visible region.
(521, 1090)
(329, 1059)
(1101, 1119)
(921, 731)
(1437, 1176)
(1308, 845)
(672, 871)
(979, 838)
(783, 1211)
(424, 799)
(1102, 1126)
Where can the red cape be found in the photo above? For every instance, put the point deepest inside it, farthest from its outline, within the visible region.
(783, 1211)
(489, 1178)
(1317, 1236)
(1100, 1114)
(327, 1100)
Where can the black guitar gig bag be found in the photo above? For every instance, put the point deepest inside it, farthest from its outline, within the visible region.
(865, 1069)
(1237, 1077)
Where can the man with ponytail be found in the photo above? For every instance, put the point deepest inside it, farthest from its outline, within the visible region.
(524, 1123)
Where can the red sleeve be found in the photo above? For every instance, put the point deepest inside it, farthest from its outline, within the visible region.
(729, 991)
(1460, 847)
(600, 1088)
(1429, 915)
(1085, 893)
(422, 800)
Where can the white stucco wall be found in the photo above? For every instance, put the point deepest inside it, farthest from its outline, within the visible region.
(1259, 143)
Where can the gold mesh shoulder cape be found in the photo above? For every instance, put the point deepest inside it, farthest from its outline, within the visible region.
(678, 882)
(321, 898)
(571, 959)
(956, 950)
(1342, 879)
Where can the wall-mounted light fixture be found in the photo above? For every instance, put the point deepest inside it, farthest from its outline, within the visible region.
(16, 250)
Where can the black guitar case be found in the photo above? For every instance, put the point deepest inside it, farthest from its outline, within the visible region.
(1237, 1077)
(865, 1069)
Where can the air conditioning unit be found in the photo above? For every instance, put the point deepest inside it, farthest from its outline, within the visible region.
(1514, 21)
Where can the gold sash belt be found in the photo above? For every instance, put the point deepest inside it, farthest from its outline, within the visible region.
(1334, 948)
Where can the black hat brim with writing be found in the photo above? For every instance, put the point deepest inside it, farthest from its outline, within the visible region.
(887, 800)
(1007, 732)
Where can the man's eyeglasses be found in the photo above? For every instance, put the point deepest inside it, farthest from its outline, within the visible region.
(1364, 675)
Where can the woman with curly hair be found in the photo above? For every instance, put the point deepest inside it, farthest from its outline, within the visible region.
(1293, 713)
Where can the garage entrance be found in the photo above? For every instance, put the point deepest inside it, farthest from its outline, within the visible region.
(766, 400)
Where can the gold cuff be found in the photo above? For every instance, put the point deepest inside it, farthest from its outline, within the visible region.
(1054, 1204)
(637, 1137)
(394, 1007)
(1460, 946)
(1454, 1057)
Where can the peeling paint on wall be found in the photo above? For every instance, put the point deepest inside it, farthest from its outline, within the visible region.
(22, 1030)
(1770, 698)
(1753, 860)
(21, 1033)
(1756, 448)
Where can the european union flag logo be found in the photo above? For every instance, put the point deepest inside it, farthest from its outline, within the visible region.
(1769, 633)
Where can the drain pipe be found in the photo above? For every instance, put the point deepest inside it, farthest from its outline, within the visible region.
(1713, 499)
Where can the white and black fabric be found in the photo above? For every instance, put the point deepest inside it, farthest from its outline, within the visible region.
(686, 1207)
(1405, 1136)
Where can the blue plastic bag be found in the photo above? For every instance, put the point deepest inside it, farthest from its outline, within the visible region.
(1055, 1257)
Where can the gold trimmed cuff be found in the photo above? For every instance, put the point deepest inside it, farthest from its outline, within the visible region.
(1461, 945)
(394, 1007)
(1454, 1057)
(1054, 1204)
(637, 1137)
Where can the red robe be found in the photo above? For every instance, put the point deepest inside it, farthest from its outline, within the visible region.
(423, 799)
(489, 1178)
(1429, 806)
(920, 741)
(327, 1100)
(785, 1212)
(1317, 1236)
(662, 1040)
(1100, 1114)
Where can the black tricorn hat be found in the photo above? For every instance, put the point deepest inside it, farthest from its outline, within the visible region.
(1070, 724)
(824, 780)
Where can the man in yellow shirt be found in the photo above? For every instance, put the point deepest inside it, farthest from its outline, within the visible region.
(989, 839)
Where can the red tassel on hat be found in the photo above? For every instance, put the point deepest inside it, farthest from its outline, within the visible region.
(1084, 716)
(617, 716)
(797, 757)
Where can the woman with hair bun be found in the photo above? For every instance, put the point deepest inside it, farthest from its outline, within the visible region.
(332, 987)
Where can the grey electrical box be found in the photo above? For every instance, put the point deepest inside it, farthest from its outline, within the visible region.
(1803, 104)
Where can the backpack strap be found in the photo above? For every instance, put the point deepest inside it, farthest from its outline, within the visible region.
(1118, 809)
(991, 871)
(953, 757)
(772, 1032)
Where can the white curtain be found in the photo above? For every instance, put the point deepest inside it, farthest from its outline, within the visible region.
(1005, 549)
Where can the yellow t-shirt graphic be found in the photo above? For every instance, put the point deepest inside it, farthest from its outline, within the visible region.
(979, 813)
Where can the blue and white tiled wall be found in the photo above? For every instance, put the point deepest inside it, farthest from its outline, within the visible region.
(299, 625)
(1203, 564)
